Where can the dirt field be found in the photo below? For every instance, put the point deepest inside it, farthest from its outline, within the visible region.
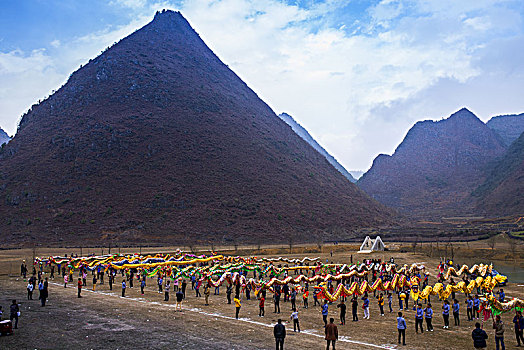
(104, 320)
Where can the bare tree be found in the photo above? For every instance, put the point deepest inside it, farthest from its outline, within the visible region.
(514, 247)
(492, 241)
(290, 243)
(414, 245)
(319, 246)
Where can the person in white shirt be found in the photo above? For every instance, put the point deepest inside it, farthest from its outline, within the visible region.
(294, 317)
(30, 288)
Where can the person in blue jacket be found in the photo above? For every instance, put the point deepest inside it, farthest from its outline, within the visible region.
(476, 306)
(502, 295)
(469, 306)
(429, 317)
(418, 319)
(456, 309)
(365, 306)
(445, 314)
(518, 321)
(401, 327)
(325, 312)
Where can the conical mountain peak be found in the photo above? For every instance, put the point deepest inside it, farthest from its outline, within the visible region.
(157, 139)
(464, 115)
(169, 21)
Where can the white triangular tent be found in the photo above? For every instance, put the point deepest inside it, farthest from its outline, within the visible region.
(372, 245)
(367, 244)
(378, 245)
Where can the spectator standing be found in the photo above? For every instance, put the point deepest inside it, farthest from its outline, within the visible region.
(261, 306)
(354, 308)
(279, 331)
(238, 305)
(14, 312)
(365, 306)
(518, 321)
(342, 308)
(325, 310)
(456, 310)
(179, 297)
(207, 292)
(30, 291)
(294, 317)
(331, 334)
(498, 326)
(418, 319)
(479, 337)
(445, 314)
(429, 317)
(401, 327)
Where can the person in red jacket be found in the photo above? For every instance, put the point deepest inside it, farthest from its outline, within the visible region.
(79, 287)
(261, 306)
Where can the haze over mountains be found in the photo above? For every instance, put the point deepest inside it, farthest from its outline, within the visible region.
(458, 166)
(156, 140)
(4, 138)
(303, 133)
(509, 127)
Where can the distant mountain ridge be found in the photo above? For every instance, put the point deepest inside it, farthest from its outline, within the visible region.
(4, 138)
(509, 127)
(304, 134)
(437, 166)
(357, 174)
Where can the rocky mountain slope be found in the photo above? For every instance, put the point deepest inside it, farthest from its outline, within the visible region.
(304, 134)
(436, 167)
(502, 193)
(156, 140)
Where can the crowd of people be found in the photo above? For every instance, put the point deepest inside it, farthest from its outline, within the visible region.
(422, 310)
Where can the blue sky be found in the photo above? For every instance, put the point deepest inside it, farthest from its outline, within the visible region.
(357, 74)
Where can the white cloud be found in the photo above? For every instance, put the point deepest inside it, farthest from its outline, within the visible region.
(25, 78)
(133, 4)
(29, 77)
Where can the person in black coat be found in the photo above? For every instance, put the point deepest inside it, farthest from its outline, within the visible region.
(354, 308)
(279, 331)
(229, 291)
(13, 313)
(342, 307)
(479, 337)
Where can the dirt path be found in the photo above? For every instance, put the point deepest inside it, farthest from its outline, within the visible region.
(104, 320)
